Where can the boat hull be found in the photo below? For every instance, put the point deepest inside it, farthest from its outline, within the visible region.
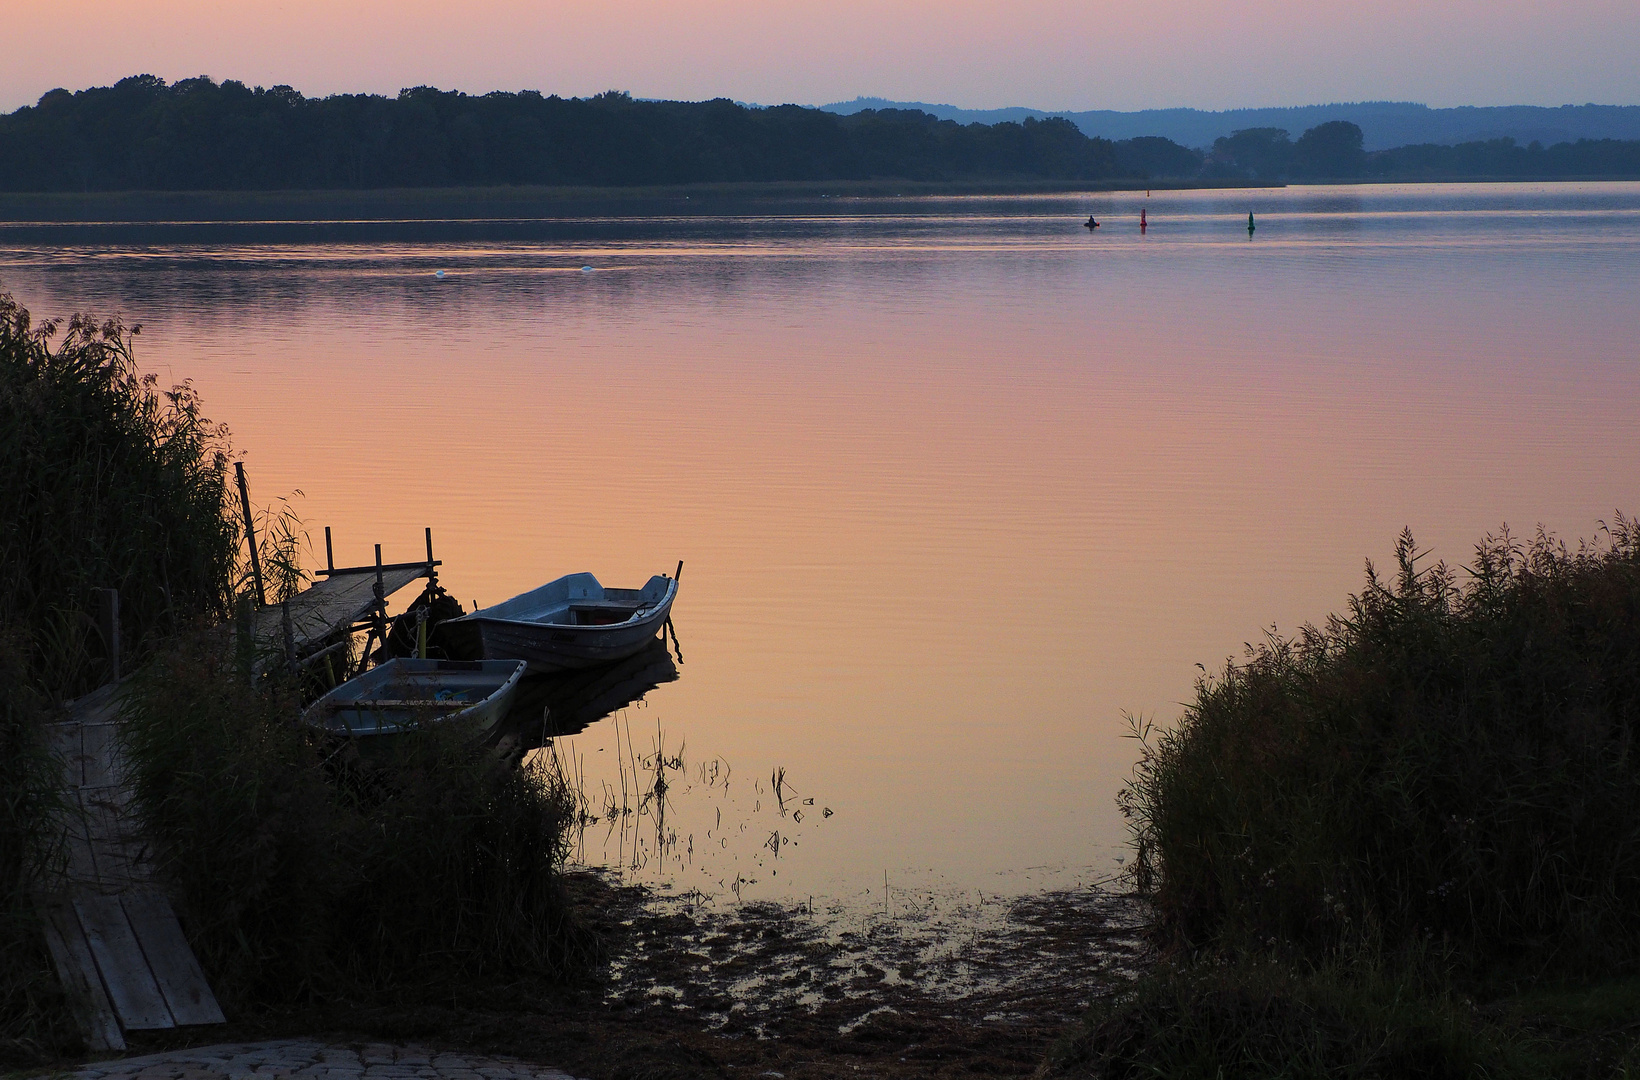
(551, 643)
(404, 694)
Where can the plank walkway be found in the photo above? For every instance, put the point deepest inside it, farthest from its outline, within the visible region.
(113, 936)
(327, 607)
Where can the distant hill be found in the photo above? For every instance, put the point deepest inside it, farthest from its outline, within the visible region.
(1384, 124)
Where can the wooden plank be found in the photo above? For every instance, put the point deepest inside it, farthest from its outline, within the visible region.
(327, 606)
(171, 959)
(115, 842)
(104, 765)
(77, 972)
(82, 862)
(100, 706)
(131, 987)
(64, 741)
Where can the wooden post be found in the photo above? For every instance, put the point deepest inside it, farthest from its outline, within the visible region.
(108, 625)
(380, 589)
(250, 533)
(330, 559)
(378, 615)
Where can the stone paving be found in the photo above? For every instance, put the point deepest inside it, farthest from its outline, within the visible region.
(305, 1058)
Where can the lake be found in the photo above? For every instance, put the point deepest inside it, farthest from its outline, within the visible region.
(958, 485)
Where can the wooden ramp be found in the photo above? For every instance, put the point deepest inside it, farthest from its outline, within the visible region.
(343, 602)
(114, 938)
(329, 606)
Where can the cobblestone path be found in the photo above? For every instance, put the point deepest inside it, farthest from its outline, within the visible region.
(307, 1058)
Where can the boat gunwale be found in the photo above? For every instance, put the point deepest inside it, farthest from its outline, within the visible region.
(642, 612)
(321, 714)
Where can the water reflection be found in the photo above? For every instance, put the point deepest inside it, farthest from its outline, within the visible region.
(958, 484)
(553, 705)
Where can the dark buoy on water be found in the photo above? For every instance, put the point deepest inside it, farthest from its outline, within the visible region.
(1250, 225)
(1090, 224)
(1143, 225)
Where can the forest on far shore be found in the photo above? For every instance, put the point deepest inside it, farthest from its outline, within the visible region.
(143, 134)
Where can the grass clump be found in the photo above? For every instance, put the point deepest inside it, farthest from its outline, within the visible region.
(303, 877)
(1447, 770)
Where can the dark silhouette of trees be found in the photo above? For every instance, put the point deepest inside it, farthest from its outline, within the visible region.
(196, 134)
(1329, 151)
(1505, 159)
(1151, 156)
(1251, 153)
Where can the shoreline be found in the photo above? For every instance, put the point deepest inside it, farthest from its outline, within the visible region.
(696, 992)
(490, 203)
(497, 204)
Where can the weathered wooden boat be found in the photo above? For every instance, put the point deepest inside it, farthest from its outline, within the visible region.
(574, 622)
(402, 694)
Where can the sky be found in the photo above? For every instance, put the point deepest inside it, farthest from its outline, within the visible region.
(1051, 54)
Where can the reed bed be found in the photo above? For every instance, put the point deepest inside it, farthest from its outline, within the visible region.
(34, 1016)
(110, 482)
(1434, 797)
(1267, 1020)
(297, 877)
(1453, 759)
(303, 872)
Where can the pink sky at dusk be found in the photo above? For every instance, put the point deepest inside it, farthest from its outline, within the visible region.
(1052, 54)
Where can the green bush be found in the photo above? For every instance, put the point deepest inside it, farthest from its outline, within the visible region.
(1448, 762)
(297, 874)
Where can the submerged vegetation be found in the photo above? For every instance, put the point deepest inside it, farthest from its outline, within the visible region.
(298, 872)
(1353, 835)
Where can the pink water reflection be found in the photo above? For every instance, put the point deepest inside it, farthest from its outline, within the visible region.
(948, 509)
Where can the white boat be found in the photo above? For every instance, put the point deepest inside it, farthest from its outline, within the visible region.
(402, 694)
(574, 622)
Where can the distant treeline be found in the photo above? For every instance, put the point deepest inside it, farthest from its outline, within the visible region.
(1333, 151)
(197, 134)
(143, 134)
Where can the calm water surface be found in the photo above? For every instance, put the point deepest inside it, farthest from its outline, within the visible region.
(957, 484)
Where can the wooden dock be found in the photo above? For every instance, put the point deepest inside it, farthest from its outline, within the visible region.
(327, 608)
(346, 600)
(115, 940)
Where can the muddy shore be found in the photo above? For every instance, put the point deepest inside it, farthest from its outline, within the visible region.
(695, 989)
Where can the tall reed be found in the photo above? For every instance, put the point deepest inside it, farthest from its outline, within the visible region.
(34, 1020)
(301, 873)
(1452, 760)
(109, 482)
